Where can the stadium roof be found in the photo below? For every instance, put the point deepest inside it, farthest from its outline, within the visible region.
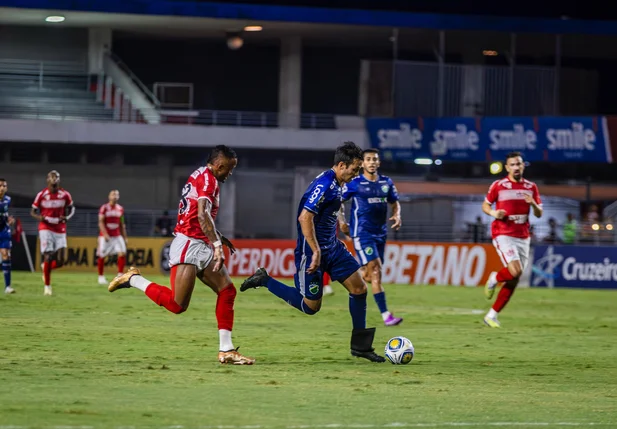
(382, 13)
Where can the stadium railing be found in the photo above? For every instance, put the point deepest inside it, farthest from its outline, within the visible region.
(141, 223)
(43, 75)
(231, 118)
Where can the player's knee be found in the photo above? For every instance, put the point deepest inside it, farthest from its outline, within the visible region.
(358, 289)
(229, 291)
(516, 270)
(178, 308)
(311, 307)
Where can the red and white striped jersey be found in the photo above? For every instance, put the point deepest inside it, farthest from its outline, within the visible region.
(201, 184)
(52, 205)
(113, 218)
(509, 195)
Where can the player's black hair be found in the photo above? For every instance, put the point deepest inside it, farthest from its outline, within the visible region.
(370, 150)
(348, 152)
(2, 179)
(221, 150)
(513, 155)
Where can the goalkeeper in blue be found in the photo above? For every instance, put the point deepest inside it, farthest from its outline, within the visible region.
(319, 251)
(371, 193)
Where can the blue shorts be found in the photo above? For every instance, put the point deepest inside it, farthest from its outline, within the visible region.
(336, 261)
(5, 243)
(368, 248)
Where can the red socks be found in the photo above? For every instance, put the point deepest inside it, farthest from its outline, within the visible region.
(121, 263)
(163, 296)
(504, 275)
(101, 265)
(47, 272)
(503, 297)
(225, 307)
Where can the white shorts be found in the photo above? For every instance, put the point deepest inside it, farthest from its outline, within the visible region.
(51, 241)
(512, 249)
(113, 246)
(186, 250)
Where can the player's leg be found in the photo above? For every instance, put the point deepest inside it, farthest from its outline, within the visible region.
(120, 249)
(47, 245)
(307, 293)
(221, 284)
(175, 299)
(5, 254)
(346, 270)
(376, 248)
(103, 250)
(509, 255)
(370, 252)
(183, 258)
(60, 246)
(509, 276)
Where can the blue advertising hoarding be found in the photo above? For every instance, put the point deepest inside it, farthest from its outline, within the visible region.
(592, 267)
(555, 139)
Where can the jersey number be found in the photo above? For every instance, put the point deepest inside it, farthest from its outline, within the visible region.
(184, 202)
(315, 193)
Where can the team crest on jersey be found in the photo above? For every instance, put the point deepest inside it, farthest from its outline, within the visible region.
(314, 288)
(528, 185)
(507, 184)
(385, 188)
(368, 251)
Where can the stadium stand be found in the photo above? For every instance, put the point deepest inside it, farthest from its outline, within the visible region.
(56, 90)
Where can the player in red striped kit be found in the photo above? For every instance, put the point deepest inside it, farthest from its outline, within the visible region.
(513, 197)
(52, 207)
(112, 234)
(197, 252)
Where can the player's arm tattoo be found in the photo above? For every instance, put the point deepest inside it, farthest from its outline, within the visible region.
(341, 214)
(307, 225)
(342, 220)
(205, 220)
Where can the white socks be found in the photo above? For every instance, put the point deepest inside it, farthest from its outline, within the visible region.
(492, 314)
(139, 282)
(385, 315)
(225, 343)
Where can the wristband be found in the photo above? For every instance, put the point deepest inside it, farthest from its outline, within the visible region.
(217, 243)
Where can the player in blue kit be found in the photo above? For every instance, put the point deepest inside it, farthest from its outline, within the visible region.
(5, 235)
(318, 250)
(371, 193)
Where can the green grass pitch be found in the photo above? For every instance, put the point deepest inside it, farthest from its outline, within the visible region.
(88, 358)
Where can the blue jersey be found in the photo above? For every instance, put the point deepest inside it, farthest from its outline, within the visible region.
(323, 198)
(5, 230)
(369, 205)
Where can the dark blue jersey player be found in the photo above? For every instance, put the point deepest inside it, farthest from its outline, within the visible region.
(318, 251)
(5, 235)
(371, 193)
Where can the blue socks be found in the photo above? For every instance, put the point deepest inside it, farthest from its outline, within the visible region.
(289, 294)
(357, 309)
(380, 299)
(6, 269)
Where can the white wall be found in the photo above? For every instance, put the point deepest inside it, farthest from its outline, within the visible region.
(16, 130)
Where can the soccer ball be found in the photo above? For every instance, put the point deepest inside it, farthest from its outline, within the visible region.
(399, 351)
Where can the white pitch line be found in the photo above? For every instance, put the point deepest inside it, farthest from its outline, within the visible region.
(342, 426)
